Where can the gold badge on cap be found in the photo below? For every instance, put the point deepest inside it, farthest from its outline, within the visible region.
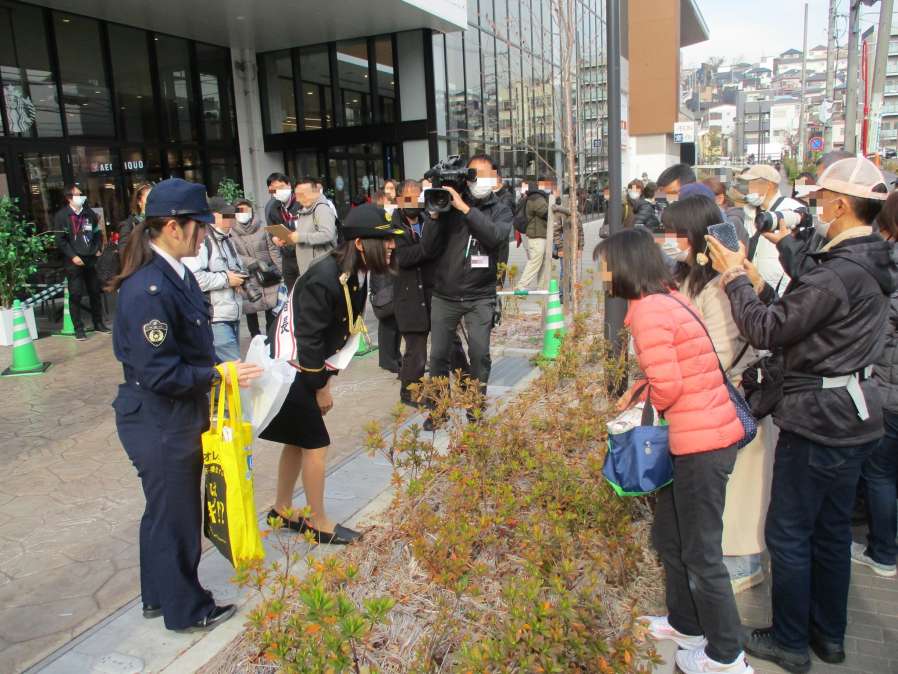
(155, 331)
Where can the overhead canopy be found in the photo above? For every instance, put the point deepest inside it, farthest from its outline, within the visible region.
(693, 28)
(273, 24)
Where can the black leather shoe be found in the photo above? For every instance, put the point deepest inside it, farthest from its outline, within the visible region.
(80, 335)
(216, 617)
(762, 644)
(101, 327)
(294, 525)
(341, 536)
(151, 611)
(832, 652)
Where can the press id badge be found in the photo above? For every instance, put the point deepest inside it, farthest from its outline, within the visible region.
(480, 262)
(88, 227)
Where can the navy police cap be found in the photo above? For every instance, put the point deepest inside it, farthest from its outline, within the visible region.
(174, 197)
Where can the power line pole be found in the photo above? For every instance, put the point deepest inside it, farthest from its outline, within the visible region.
(832, 59)
(854, 32)
(802, 124)
(615, 307)
(880, 65)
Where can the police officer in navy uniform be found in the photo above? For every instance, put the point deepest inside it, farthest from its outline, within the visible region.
(163, 338)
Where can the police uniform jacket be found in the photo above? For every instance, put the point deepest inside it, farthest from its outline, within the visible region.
(164, 339)
(320, 317)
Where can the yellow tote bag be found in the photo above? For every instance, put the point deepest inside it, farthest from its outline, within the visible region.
(230, 509)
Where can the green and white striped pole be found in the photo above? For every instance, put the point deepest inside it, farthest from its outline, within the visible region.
(554, 324)
(24, 355)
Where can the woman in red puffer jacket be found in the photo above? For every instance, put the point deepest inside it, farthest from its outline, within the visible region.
(687, 387)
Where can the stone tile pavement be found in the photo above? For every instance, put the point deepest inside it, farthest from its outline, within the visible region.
(70, 500)
(871, 642)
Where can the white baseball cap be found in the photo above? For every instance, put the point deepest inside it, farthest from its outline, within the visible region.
(854, 176)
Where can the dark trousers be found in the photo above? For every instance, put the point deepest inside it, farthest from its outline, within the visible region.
(162, 438)
(414, 360)
(808, 534)
(252, 322)
(687, 534)
(291, 269)
(445, 316)
(388, 338)
(84, 281)
(881, 472)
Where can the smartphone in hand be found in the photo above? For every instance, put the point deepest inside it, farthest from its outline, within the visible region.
(725, 232)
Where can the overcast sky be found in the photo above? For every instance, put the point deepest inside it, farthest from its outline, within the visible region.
(748, 30)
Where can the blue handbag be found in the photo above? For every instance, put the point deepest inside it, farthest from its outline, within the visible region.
(638, 461)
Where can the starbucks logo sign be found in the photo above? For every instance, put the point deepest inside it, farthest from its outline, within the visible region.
(20, 110)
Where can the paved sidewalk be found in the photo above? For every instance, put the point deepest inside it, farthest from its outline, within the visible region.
(70, 500)
(871, 642)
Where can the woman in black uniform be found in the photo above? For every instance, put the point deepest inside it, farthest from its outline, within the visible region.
(163, 339)
(326, 309)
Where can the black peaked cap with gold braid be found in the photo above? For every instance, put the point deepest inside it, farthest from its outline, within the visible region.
(369, 222)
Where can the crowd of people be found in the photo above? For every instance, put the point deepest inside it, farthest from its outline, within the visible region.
(801, 315)
(797, 308)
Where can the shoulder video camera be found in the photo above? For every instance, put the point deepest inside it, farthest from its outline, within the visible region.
(453, 172)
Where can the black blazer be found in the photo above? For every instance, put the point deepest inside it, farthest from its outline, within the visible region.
(321, 322)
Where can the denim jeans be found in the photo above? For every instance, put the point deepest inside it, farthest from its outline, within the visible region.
(687, 534)
(881, 472)
(226, 337)
(742, 566)
(808, 534)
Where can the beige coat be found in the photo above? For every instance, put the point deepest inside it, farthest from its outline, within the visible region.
(748, 489)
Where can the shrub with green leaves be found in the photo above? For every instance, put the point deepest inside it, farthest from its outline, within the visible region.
(21, 249)
(505, 552)
(230, 190)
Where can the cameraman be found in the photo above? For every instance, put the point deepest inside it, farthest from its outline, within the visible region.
(220, 274)
(465, 243)
(829, 325)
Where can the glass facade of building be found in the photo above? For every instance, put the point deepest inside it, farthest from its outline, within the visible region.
(333, 109)
(107, 106)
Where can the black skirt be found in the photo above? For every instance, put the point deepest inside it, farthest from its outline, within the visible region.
(299, 422)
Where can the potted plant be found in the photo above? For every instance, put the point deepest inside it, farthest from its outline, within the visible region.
(20, 251)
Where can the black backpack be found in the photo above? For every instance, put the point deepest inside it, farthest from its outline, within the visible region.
(520, 215)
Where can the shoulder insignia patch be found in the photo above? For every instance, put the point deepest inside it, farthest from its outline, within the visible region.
(155, 331)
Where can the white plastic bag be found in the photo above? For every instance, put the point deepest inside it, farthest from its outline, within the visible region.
(263, 399)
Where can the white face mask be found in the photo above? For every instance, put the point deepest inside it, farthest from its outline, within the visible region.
(244, 218)
(482, 187)
(283, 194)
(78, 201)
(634, 195)
(754, 199)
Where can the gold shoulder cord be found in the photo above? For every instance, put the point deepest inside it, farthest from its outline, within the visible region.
(356, 325)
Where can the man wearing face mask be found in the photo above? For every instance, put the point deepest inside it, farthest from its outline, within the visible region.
(465, 244)
(672, 179)
(281, 210)
(829, 326)
(536, 271)
(80, 240)
(315, 232)
(761, 185)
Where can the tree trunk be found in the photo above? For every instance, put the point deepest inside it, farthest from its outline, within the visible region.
(568, 33)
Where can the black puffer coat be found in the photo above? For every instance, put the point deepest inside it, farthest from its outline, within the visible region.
(887, 364)
(830, 322)
(413, 286)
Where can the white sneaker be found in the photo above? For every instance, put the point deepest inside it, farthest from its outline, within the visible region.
(859, 556)
(697, 661)
(660, 630)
